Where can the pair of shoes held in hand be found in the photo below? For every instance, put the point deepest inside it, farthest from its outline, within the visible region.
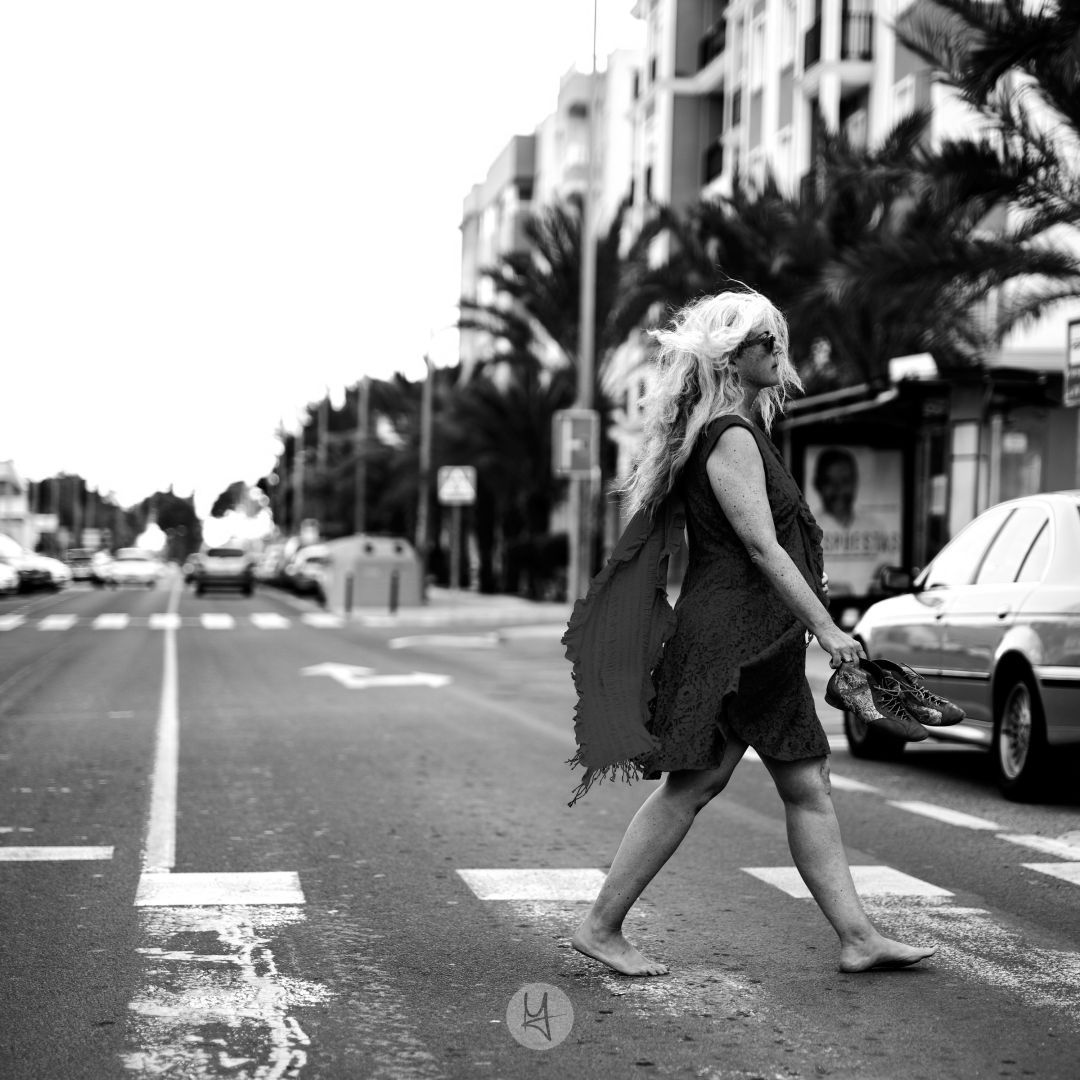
(890, 695)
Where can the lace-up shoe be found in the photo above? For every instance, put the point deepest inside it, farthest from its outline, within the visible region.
(875, 698)
(926, 707)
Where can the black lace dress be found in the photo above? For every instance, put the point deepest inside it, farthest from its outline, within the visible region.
(738, 653)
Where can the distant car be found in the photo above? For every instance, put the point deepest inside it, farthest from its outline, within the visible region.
(306, 573)
(60, 575)
(132, 566)
(224, 568)
(993, 624)
(81, 563)
(32, 571)
(271, 564)
(9, 579)
(99, 567)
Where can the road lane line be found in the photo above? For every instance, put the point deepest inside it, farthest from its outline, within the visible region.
(1045, 844)
(215, 620)
(10, 622)
(55, 854)
(534, 884)
(1067, 871)
(869, 881)
(58, 622)
(111, 620)
(159, 855)
(949, 817)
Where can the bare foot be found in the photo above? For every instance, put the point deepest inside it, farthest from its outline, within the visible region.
(881, 954)
(615, 951)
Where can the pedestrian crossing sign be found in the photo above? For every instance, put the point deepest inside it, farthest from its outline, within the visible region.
(457, 485)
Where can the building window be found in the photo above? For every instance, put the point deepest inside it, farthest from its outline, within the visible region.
(789, 29)
(757, 52)
(648, 183)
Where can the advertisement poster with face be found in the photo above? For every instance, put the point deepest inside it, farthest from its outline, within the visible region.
(855, 494)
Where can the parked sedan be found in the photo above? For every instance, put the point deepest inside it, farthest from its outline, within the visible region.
(32, 571)
(132, 566)
(224, 568)
(993, 624)
(81, 563)
(9, 579)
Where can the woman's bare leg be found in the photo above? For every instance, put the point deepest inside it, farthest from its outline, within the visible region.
(816, 847)
(651, 838)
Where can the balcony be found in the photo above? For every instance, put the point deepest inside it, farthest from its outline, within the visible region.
(856, 39)
(712, 43)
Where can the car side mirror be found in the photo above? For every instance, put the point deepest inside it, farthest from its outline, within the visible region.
(896, 579)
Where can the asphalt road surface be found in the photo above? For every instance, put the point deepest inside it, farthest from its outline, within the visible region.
(241, 839)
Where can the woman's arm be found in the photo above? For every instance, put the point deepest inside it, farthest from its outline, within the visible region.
(737, 475)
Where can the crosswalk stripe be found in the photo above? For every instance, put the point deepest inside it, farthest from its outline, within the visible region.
(272, 888)
(55, 854)
(322, 620)
(58, 622)
(869, 881)
(1067, 871)
(270, 620)
(165, 620)
(534, 884)
(215, 620)
(111, 620)
(1046, 844)
(9, 622)
(843, 783)
(950, 817)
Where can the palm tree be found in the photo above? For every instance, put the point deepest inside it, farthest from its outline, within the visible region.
(1019, 65)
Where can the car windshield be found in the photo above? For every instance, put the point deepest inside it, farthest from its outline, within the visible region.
(9, 547)
(226, 553)
(130, 555)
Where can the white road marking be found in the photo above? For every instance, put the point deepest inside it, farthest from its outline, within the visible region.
(538, 884)
(165, 620)
(1067, 871)
(449, 641)
(207, 890)
(353, 677)
(869, 881)
(231, 988)
(111, 620)
(322, 620)
(943, 813)
(55, 854)
(9, 622)
(216, 620)
(58, 622)
(1044, 844)
(160, 851)
(270, 620)
(843, 783)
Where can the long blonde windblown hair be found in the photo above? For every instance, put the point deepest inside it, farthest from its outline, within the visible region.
(696, 382)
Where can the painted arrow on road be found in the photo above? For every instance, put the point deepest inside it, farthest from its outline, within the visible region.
(353, 677)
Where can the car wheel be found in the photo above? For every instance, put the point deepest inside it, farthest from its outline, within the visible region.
(1020, 749)
(866, 741)
(199, 590)
(247, 590)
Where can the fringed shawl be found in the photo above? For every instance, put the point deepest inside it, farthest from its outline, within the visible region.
(614, 640)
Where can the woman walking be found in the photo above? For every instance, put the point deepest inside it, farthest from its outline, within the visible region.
(732, 673)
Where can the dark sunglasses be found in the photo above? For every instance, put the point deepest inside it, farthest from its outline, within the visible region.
(768, 340)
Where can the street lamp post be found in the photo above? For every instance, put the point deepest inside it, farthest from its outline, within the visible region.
(423, 541)
(582, 495)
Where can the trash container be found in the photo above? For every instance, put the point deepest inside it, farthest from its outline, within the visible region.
(372, 572)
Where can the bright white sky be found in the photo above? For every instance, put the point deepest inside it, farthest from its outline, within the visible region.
(212, 210)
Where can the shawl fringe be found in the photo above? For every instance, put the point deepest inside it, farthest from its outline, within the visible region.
(614, 640)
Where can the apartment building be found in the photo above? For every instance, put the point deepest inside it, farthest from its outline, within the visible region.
(549, 165)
